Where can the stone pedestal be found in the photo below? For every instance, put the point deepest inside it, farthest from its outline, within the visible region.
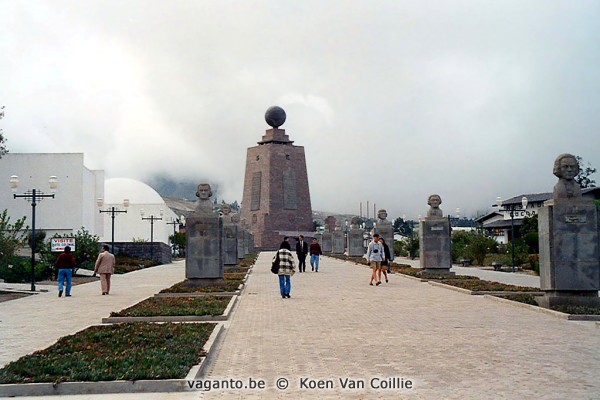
(241, 243)
(386, 231)
(435, 244)
(204, 257)
(355, 243)
(230, 245)
(327, 245)
(250, 248)
(569, 253)
(338, 245)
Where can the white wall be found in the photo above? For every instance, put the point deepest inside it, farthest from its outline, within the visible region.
(73, 204)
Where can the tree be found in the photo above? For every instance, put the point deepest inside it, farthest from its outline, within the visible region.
(3, 149)
(178, 241)
(11, 236)
(402, 227)
(583, 178)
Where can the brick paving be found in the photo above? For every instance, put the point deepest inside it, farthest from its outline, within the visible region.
(451, 345)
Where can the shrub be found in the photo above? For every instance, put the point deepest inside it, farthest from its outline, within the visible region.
(12, 236)
(18, 270)
(87, 247)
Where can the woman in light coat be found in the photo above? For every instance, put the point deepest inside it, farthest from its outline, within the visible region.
(287, 268)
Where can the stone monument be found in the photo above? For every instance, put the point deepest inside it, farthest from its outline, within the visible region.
(276, 196)
(338, 245)
(230, 236)
(435, 239)
(204, 255)
(568, 238)
(355, 239)
(385, 229)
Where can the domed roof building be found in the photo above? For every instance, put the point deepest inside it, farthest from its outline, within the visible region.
(141, 198)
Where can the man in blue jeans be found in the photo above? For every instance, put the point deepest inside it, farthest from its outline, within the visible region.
(65, 264)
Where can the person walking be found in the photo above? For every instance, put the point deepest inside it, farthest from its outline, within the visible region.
(375, 255)
(286, 268)
(315, 253)
(105, 266)
(301, 252)
(385, 264)
(65, 264)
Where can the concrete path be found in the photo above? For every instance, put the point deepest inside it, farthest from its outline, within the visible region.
(35, 322)
(509, 278)
(450, 345)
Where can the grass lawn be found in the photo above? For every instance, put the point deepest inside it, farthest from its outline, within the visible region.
(176, 306)
(129, 351)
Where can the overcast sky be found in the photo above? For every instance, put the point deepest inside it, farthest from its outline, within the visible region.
(392, 100)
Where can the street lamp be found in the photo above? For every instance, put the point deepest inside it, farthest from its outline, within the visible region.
(151, 218)
(34, 196)
(113, 211)
(524, 203)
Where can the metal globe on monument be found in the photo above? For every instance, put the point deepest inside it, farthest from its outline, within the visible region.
(275, 116)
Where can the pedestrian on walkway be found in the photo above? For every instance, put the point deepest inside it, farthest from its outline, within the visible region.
(301, 252)
(286, 268)
(385, 264)
(375, 255)
(105, 266)
(65, 263)
(315, 253)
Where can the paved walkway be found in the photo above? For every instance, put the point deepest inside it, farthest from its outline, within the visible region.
(37, 321)
(450, 345)
(488, 275)
(336, 326)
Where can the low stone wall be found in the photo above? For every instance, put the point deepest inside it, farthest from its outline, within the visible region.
(159, 252)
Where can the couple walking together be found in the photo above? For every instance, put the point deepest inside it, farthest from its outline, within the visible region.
(379, 256)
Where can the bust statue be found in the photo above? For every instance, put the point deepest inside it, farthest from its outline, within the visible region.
(434, 202)
(355, 223)
(566, 168)
(381, 217)
(226, 211)
(204, 205)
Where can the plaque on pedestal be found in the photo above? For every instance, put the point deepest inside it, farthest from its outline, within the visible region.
(355, 243)
(230, 246)
(435, 246)
(337, 238)
(327, 245)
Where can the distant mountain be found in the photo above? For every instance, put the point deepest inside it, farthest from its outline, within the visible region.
(185, 189)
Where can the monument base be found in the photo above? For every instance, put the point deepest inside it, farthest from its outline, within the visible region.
(204, 282)
(569, 298)
(436, 245)
(438, 271)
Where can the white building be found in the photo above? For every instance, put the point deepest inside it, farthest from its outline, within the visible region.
(130, 226)
(74, 203)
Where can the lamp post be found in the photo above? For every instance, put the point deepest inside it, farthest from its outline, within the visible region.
(512, 210)
(113, 211)
(151, 218)
(34, 196)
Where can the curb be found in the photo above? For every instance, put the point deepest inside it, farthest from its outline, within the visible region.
(175, 318)
(104, 387)
(203, 294)
(557, 314)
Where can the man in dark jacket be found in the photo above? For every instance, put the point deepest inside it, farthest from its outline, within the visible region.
(65, 264)
(301, 252)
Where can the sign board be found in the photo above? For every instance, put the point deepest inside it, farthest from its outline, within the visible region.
(59, 244)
